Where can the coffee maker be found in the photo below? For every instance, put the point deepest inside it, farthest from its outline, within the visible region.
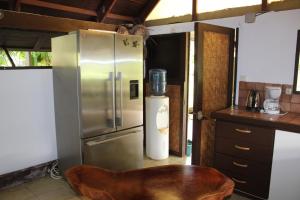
(253, 100)
(271, 103)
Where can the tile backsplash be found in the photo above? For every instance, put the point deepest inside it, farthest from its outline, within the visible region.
(288, 103)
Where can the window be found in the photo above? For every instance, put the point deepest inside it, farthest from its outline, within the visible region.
(25, 59)
(175, 8)
(297, 66)
(270, 1)
(213, 5)
(171, 8)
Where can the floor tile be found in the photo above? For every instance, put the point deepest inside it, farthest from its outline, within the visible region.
(169, 161)
(44, 185)
(17, 193)
(59, 194)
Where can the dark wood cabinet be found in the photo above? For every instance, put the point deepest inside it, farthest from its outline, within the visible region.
(244, 152)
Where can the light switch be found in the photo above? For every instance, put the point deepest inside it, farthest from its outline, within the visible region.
(288, 91)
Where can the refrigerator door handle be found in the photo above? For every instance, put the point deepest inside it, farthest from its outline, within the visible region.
(119, 118)
(112, 118)
(100, 141)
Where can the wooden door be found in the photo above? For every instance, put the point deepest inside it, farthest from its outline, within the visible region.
(214, 46)
(170, 52)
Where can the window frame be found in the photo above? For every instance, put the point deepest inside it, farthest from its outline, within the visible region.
(297, 62)
(19, 67)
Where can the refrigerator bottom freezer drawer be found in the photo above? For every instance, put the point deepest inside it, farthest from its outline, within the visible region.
(118, 151)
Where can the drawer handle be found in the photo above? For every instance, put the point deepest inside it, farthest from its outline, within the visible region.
(239, 181)
(242, 148)
(243, 131)
(239, 165)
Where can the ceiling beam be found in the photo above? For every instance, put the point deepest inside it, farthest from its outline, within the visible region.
(194, 10)
(104, 9)
(28, 21)
(147, 10)
(264, 5)
(61, 7)
(136, 1)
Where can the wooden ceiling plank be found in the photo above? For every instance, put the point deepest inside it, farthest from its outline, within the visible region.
(28, 21)
(147, 10)
(120, 17)
(104, 9)
(61, 7)
(137, 1)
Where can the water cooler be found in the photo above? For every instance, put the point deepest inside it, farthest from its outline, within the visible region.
(157, 116)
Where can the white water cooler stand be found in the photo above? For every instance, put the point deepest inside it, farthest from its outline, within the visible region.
(157, 127)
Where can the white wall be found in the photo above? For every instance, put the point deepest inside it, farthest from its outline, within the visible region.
(27, 123)
(266, 47)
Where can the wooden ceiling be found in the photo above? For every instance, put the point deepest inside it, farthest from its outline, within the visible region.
(105, 11)
(30, 24)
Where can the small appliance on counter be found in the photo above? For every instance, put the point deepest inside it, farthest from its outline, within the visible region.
(157, 116)
(253, 100)
(271, 103)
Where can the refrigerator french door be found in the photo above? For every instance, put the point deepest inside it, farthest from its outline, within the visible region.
(97, 83)
(111, 70)
(98, 90)
(129, 81)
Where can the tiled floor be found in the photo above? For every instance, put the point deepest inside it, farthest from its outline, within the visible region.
(49, 189)
(41, 189)
(171, 160)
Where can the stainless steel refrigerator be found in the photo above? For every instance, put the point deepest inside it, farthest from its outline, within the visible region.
(98, 93)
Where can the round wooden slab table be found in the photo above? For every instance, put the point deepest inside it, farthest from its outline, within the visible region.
(169, 182)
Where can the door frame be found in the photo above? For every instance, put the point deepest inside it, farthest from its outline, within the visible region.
(182, 82)
(198, 80)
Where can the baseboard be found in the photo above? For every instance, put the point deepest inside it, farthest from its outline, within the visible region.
(25, 175)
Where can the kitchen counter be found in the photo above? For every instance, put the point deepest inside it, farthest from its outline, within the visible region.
(286, 122)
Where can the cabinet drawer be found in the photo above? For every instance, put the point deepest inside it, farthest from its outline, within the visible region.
(242, 167)
(244, 150)
(257, 186)
(242, 132)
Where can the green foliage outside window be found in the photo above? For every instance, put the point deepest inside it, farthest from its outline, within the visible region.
(3, 59)
(23, 58)
(40, 58)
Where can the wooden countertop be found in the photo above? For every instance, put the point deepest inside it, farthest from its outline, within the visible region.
(285, 122)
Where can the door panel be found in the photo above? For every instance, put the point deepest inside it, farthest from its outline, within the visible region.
(97, 82)
(213, 85)
(116, 151)
(129, 81)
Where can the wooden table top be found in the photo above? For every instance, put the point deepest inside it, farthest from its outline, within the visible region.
(169, 182)
(287, 122)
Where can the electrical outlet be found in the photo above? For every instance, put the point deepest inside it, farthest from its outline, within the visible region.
(288, 91)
